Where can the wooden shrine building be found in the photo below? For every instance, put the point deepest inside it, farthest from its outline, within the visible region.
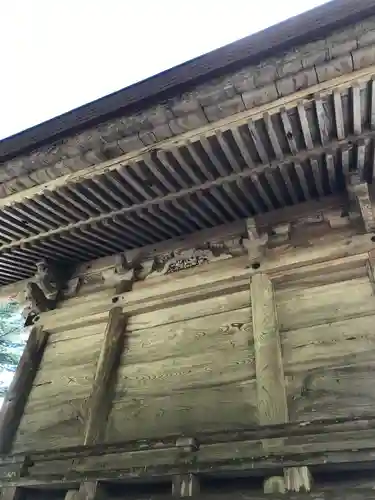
(195, 257)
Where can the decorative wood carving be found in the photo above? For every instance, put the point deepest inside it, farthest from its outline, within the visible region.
(181, 259)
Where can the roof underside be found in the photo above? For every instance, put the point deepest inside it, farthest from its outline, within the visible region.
(254, 164)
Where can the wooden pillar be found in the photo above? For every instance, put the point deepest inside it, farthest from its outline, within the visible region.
(91, 490)
(270, 380)
(186, 484)
(12, 493)
(19, 390)
(100, 401)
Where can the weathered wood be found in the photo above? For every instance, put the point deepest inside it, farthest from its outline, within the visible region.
(274, 484)
(18, 392)
(298, 479)
(88, 490)
(359, 191)
(271, 394)
(307, 306)
(270, 379)
(255, 113)
(55, 412)
(370, 268)
(334, 493)
(338, 443)
(100, 400)
(12, 493)
(185, 485)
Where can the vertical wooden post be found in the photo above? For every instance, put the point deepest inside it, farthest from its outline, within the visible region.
(270, 380)
(186, 484)
(12, 493)
(87, 491)
(19, 390)
(100, 400)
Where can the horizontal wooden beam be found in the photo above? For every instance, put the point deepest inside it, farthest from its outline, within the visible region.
(289, 214)
(217, 452)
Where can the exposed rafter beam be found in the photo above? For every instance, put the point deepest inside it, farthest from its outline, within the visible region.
(248, 173)
(281, 105)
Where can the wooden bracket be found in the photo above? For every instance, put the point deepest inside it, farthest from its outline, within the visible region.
(72, 287)
(43, 290)
(359, 194)
(121, 276)
(280, 234)
(337, 218)
(255, 243)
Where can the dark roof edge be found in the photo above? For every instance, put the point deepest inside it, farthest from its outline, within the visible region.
(301, 29)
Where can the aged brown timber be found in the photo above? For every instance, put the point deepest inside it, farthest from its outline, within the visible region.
(101, 397)
(272, 403)
(12, 493)
(87, 491)
(18, 392)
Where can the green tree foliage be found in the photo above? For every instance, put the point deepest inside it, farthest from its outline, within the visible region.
(12, 342)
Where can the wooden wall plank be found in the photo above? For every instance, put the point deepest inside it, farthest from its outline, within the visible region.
(343, 343)
(223, 333)
(301, 308)
(18, 392)
(328, 392)
(55, 409)
(188, 412)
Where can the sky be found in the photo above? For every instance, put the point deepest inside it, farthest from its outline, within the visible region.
(58, 55)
